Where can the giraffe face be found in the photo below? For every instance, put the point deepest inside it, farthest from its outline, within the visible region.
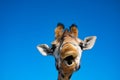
(67, 52)
(67, 48)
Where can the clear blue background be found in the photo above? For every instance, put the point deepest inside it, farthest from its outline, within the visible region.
(25, 24)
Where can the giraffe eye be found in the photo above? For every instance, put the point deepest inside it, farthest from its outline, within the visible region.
(53, 47)
(81, 45)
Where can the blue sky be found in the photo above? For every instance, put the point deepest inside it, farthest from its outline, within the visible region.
(25, 24)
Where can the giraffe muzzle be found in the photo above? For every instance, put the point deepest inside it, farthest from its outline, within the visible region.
(69, 60)
(68, 54)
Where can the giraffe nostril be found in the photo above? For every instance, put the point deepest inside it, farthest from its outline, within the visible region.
(69, 60)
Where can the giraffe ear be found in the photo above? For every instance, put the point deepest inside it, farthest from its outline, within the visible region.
(89, 42)
(74, 30)
(44, 49)
(59, 30)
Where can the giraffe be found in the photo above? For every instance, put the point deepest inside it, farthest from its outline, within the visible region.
(67, 50)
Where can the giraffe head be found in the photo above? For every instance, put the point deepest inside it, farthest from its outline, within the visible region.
(67, 49)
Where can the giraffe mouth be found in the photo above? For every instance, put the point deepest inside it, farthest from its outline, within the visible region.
(69, 60)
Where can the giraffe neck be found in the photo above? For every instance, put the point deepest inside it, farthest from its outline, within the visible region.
(63, 76)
